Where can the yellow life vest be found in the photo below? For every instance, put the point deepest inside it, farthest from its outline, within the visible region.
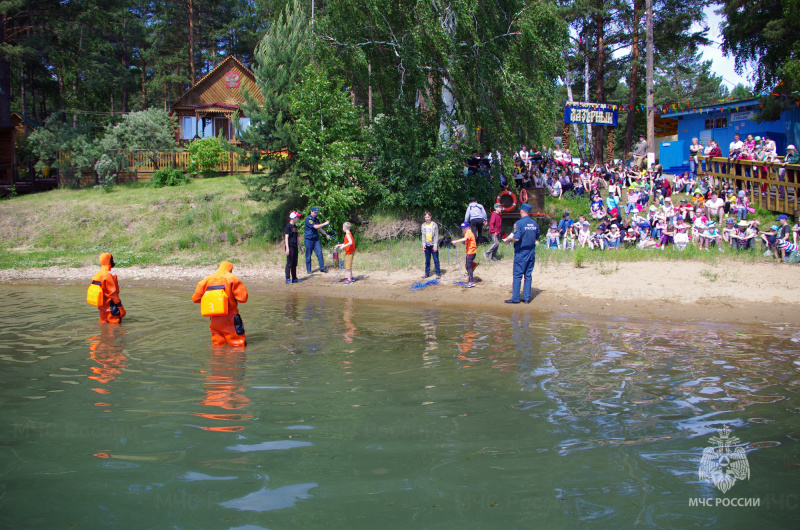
(214, 302)
(94, 295)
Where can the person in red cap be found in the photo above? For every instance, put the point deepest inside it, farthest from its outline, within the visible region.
(291, 247)
(104, 292)
(219, 296)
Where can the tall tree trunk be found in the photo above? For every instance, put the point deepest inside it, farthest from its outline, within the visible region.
(23, 95)
(568, 83)
(5, 83)
(587, 144)
(633, 80)
(448, 21)
(124, 66)
(649, 49)
(190, 8)
(144, 88)
(600, 69)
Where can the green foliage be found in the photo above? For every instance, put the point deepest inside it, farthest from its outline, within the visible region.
(281, 58)
(169, 176)
(205, 154)
(149, 131)
(78, 149)
(330, 147)
(106, 172)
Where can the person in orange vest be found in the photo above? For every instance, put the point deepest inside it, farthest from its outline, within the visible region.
(104, 292)
(219, 296)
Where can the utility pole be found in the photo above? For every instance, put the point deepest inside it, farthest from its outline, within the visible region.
(650, 112)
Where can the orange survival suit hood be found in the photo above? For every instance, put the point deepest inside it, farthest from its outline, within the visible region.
(106, 260)
(225, 266)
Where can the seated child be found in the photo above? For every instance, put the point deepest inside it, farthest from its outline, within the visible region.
(553, 236)
(613, 237)
(631, 237)
(598, 240)
(681, 237)
(712, 236)
(584, 233)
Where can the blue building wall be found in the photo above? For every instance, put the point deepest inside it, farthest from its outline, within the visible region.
(783, 131)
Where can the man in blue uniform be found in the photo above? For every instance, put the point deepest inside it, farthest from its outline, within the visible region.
(525, 236)
(312, 239)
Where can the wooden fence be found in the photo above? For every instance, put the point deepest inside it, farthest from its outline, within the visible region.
(760, 180)
(140, 167)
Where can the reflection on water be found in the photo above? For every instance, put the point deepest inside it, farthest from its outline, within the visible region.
(345, 413)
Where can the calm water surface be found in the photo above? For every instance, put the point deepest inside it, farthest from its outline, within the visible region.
(352, 414)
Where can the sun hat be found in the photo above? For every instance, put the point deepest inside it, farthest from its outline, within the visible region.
(704, 218)
(790, 147)
(464, 225)
(653, 207)
(294, 215)
(741, 193)
(774, 227)
(711, 224)
(498, 205)
(566, 214)
(757, 138)
(782, 216)
(729, 221)
(742, 224)
(630, 229)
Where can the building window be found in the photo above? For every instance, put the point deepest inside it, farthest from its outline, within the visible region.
(244, 124)
(720, 122)
(188, 128)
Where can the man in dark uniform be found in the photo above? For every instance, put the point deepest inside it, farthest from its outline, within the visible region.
(525, 236)
(312, 239)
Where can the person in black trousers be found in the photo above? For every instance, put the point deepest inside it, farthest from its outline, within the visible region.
(291, 247)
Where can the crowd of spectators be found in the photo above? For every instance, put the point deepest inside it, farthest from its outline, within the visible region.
(635, 208)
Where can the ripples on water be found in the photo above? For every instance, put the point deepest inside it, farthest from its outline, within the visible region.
(347, 413)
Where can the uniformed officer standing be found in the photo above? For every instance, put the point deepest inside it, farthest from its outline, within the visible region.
(312, 239)
(525, 236)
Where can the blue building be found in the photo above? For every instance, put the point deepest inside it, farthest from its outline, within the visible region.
(710, 122)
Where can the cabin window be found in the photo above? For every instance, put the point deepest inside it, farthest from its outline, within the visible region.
(188, 128)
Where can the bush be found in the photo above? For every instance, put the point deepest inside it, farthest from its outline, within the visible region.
(106, 173)
(205, 154)
(169, 176)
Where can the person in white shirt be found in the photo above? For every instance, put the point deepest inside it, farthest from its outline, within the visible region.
(736, 149)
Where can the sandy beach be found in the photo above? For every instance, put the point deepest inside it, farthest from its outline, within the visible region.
(685, 291)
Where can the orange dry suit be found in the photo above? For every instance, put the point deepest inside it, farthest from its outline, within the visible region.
(110, 309)
(227, 328)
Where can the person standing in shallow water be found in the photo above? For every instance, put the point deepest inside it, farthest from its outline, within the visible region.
(219, 296)
(525, 236)
(110, 307)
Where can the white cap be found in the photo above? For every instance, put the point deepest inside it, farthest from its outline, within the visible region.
(294, 215)
(790, 147)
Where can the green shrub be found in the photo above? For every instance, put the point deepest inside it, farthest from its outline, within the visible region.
(169, 176)
(205, 154)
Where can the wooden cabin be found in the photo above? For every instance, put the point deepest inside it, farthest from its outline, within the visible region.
(209, 107)
(23, 125)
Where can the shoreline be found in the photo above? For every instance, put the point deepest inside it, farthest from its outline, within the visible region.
(766, 293)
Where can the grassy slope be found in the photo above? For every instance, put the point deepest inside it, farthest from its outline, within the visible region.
(197, 223)
(211, 219)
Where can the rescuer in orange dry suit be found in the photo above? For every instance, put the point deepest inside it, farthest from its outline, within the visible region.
(219, 296)
(104, 292)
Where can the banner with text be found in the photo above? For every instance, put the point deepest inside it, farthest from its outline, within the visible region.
(591, 113)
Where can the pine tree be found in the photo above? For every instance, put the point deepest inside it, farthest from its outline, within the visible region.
(281, 58)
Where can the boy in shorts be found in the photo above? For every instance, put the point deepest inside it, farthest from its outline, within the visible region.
(349, 247)
(472, 249)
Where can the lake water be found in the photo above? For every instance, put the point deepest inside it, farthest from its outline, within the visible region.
(354, 414)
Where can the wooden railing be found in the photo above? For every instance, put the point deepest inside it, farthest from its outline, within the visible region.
(140, 166)
(760, 180)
